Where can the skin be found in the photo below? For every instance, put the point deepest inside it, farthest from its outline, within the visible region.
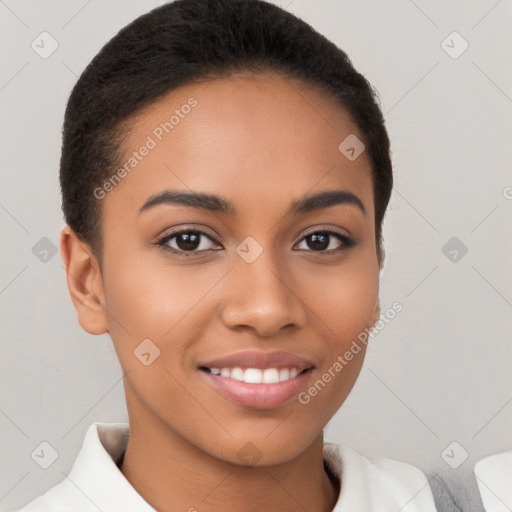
(260, 142)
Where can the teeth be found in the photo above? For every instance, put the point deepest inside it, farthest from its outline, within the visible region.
(270, 375)
(252, 375)
(256, 375)
(237, 374)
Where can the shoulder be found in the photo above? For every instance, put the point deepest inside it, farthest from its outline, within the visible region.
(39, 504)
(377, 483)
(94, 481)
(494, 475)
(62, 497)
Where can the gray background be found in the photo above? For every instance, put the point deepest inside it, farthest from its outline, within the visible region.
(438, 373)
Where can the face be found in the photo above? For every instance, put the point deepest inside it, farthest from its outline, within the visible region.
(191, 291)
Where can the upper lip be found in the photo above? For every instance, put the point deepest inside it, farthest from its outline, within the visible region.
(261, 360)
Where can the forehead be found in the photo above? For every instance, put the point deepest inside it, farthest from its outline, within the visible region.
(257, 140)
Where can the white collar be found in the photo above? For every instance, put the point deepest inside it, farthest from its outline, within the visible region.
(494, 476)
(96, 483)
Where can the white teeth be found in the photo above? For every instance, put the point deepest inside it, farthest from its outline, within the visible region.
(270, 375)
(237, 374)
(256, 375)
(253, 376)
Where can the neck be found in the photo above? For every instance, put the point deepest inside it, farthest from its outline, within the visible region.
(172, 474)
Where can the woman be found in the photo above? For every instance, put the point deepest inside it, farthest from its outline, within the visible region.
(225, 173)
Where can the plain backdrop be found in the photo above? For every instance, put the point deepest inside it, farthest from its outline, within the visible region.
(435, 389)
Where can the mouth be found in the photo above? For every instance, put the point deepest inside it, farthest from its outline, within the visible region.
(256, 375)
(258, 380)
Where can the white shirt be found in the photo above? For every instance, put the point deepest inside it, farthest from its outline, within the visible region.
(96, 483)
(494, 477)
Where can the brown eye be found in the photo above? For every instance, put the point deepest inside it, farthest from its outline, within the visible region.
(187, 241)
(326, 241)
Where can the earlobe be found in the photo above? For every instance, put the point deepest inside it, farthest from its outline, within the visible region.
(85, 283)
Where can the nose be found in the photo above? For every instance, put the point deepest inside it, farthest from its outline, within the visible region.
(263, 297)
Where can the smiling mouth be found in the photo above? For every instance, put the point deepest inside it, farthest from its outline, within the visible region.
(257, 375)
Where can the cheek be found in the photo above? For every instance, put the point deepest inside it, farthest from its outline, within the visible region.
(157, 300)
(344, 304)
(330, 388)
(147, 297)
(344, 299)
(141, 301)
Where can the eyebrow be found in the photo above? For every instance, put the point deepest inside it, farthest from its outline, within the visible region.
(214, 203)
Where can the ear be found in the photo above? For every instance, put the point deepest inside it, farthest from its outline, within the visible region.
(85, 282)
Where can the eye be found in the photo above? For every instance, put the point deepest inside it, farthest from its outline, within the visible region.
(191, 242)
(325, 241)
(187, 242)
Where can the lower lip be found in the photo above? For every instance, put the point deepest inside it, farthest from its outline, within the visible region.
(259, 396)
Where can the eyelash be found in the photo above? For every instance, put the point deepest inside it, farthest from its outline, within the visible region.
(346, 241)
